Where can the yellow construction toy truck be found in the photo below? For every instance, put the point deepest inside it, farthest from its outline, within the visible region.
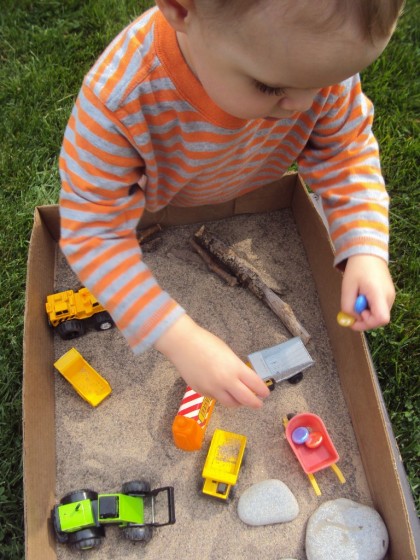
(223, 463)
(70, 312)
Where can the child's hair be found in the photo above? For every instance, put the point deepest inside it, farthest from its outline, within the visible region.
(377, 18)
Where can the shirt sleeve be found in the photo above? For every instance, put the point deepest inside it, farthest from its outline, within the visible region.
(341, 164)
(101, 203)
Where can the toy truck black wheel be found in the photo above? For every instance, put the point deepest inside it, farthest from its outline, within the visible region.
(78, 495)
(60, 535)
(295, 379)
(144, 533)
(103, 321)
(71, 329)
(86, 539)
(136, 488)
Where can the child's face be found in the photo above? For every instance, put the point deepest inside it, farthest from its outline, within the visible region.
(262, 68)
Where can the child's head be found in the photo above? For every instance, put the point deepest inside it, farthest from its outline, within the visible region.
(375, 18)
(269, 58)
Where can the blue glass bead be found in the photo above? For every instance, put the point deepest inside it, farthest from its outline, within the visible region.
(300, 435)
(361, 304)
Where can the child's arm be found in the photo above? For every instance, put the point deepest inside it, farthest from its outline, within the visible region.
(368, 275)
(209, 366)
(99, 210)
(341, 163)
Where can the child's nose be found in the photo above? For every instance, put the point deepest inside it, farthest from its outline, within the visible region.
(298, 100)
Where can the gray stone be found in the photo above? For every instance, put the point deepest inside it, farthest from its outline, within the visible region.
(267, 502)
(345, 530)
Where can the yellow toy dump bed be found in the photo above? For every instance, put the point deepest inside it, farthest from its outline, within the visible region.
(223, 463)
(80, 374)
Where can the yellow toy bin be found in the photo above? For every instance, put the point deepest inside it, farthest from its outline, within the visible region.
(86, 381)
(223, 463)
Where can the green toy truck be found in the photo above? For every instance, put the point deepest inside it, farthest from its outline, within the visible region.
(80, 518)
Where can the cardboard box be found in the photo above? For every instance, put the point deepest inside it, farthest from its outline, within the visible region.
(384, 471)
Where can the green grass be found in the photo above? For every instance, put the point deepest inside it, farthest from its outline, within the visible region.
(46, 46)
(393, 84)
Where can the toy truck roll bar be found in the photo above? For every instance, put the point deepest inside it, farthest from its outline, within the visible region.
(171, 506)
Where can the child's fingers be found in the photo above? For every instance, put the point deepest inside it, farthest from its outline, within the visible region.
(254, 382)
(244, 396)
(347, 302)
(250, 389)
(373, 318)
(226, 399)
(221, 395)
(247, 390)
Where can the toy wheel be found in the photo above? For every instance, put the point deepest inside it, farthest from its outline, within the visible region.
(60, 535)
(136, 487)
(295, 379)
(87, 544)
(103, 321)
(232, 495)
(62, 538)
(78, 495)
(221, 489)
(71, 329)
(86, 539)
(138, 533)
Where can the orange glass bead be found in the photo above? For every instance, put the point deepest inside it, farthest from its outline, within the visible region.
(314, 440)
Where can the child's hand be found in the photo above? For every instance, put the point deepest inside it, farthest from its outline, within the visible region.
(209, 366)
(368, 275)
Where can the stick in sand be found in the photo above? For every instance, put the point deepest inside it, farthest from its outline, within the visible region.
(251, 280)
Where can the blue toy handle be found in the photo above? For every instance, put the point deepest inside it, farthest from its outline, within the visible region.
(361, 304)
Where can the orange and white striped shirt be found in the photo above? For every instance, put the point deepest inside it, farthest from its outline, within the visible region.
(144, 134)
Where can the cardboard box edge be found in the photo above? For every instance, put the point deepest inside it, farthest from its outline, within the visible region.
(410, 520)
(49, 217)
(37, 414)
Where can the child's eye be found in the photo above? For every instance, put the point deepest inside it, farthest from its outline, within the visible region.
(268, 90)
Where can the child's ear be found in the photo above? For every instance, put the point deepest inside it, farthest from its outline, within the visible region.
(176, 12)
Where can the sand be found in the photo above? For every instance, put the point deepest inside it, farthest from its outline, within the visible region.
(129, 435)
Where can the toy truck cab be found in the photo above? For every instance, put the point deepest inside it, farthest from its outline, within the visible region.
(80, 518)
(223, 462)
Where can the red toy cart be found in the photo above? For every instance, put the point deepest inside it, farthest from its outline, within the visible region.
(312, 445)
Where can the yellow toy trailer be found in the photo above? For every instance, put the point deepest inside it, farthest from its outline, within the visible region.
(68, 312)
(223, 463)
(91, 386)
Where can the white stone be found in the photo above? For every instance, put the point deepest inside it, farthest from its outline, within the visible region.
(345, 530)
(267, 502)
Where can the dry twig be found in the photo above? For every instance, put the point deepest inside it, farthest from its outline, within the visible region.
(212, 264)
(145, 234)
(250, 279)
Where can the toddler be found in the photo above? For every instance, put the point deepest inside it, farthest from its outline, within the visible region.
(200, 101)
